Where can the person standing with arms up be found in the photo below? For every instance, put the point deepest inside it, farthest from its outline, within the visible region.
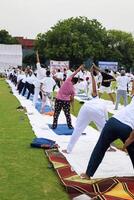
(64, 98)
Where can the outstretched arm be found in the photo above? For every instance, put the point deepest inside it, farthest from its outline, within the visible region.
(94, 89)
(96, 68)
(77, 70)
(37, 57)
(129, 140)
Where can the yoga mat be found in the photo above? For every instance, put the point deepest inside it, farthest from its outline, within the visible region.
(62, 129)
(46, 109)
(112, 188)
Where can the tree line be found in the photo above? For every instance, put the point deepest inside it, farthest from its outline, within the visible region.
(80, 39)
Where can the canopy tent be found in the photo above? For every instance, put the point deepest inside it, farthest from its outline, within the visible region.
(10, 56)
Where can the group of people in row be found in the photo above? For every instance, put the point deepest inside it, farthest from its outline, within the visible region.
(121, 125)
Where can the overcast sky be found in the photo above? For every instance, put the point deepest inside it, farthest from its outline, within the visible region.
(29, 17)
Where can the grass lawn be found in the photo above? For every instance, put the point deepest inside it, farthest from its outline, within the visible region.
(24, 172)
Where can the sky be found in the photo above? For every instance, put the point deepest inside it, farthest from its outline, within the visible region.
(27, 18)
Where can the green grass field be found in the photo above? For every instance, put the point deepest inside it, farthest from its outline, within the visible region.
(24, 171)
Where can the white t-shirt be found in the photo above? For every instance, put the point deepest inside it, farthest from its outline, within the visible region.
(98, 110)
(41, 72)
(36, 82)
(69, 73)
(30, 79)
(122, 82)
(59, 75)
(48, 84)
(20, 77)
(126, 115)
(24, 78)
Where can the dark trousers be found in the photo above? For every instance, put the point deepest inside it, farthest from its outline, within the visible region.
(112, 130)
(25, 88)
(65, 105)
(30, 88)
(20, 86)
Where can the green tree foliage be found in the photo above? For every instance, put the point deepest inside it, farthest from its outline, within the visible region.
(77, 39)
(120, 48)
(6, 38)
(74, 39)
(30, 59)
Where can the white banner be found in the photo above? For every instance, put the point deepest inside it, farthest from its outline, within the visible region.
(10, 56)
(108, 65)
(59, 64)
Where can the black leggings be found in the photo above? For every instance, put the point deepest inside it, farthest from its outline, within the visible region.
(65, 105)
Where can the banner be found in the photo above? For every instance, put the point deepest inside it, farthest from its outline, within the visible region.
(10, 56)
(108, 65)
(59, 64)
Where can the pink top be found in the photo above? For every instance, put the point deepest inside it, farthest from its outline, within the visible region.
(66, 90)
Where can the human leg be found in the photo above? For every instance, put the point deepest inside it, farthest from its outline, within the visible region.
(124, 95)
(106, 138)
(66, 109)
(57, 110)
(36, 93)
(81, 123)
(118, 96)
(43, 103)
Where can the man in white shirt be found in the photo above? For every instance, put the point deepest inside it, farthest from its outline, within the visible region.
(58, 78)
(29, 84)
(41, 73)
(120, 126)
(46, 88)
(122, 82)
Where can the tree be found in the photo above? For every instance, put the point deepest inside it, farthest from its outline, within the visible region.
(120, 48)
(6, 38)
(74, 39)
(30, 59)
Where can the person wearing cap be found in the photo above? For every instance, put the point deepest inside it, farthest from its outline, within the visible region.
(122, 82)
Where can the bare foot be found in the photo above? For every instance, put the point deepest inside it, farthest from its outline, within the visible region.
(84, 176)
(64, 151)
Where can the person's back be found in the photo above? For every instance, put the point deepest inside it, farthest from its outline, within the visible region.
(48, 83)
(122, 82)
(66, 90)
(126, 115)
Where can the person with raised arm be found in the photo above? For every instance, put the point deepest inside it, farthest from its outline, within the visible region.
(106, 82)
(64, 98)
(93, 110)
(41, 73)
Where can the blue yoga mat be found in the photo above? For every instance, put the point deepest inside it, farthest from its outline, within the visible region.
(62, 129)
(46, 109)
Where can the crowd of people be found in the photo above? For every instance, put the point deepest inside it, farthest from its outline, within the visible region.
(42, 83)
